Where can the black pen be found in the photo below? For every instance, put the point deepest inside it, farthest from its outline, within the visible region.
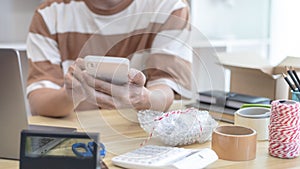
(293, 78)
(296, 76)
(288, 82)
(291, 86)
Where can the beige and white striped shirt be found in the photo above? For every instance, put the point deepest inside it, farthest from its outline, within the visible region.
(153, 34)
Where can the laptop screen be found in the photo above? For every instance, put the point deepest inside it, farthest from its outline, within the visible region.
(13, 106)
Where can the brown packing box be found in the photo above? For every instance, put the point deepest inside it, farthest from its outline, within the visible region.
(253, 75)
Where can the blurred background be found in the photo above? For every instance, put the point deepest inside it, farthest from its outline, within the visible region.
(269, 28)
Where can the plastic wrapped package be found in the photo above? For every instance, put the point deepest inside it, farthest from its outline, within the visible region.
(179, 127)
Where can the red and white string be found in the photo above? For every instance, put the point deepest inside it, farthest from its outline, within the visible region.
(284, 129)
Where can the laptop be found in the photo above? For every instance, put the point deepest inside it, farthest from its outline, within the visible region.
(14, 108)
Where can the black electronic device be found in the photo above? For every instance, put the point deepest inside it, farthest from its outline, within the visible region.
(49, 150)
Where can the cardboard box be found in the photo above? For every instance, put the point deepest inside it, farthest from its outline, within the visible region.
(252, 74)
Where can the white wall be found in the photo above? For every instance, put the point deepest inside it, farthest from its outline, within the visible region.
(236, 25)
(15, 17)
(240, 19)
(285, 30)
(237, 19)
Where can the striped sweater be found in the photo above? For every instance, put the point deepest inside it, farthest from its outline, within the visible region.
(153, 34)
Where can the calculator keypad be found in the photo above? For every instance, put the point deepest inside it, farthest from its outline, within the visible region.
(151, 155)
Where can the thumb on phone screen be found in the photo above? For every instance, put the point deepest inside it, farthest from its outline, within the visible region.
(137, 77)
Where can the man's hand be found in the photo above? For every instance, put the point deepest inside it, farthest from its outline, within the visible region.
(83, 87)
(130, 95)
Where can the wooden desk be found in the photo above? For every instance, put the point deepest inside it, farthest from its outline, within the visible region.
(120, 133)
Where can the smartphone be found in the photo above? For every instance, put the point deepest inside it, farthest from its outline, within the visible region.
(111, 69)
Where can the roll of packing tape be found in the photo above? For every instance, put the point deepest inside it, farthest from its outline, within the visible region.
(234, 143)
(257, 118)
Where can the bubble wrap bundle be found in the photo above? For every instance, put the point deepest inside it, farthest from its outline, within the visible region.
(178, 127)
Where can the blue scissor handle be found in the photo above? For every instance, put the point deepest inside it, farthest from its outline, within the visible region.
(102, 151)
(89, 148)
(86, 153)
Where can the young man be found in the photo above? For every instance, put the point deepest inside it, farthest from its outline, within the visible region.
(154, 32)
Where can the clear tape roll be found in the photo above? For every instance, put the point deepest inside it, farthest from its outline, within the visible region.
(257, 118)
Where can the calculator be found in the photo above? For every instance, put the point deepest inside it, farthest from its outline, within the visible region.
(164, 157)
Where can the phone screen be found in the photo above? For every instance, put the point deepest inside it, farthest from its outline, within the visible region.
(111, 69)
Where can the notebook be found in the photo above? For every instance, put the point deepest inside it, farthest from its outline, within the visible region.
(14, 109)
(230, 99)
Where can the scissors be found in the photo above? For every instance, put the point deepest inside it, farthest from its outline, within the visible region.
(88, 149)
